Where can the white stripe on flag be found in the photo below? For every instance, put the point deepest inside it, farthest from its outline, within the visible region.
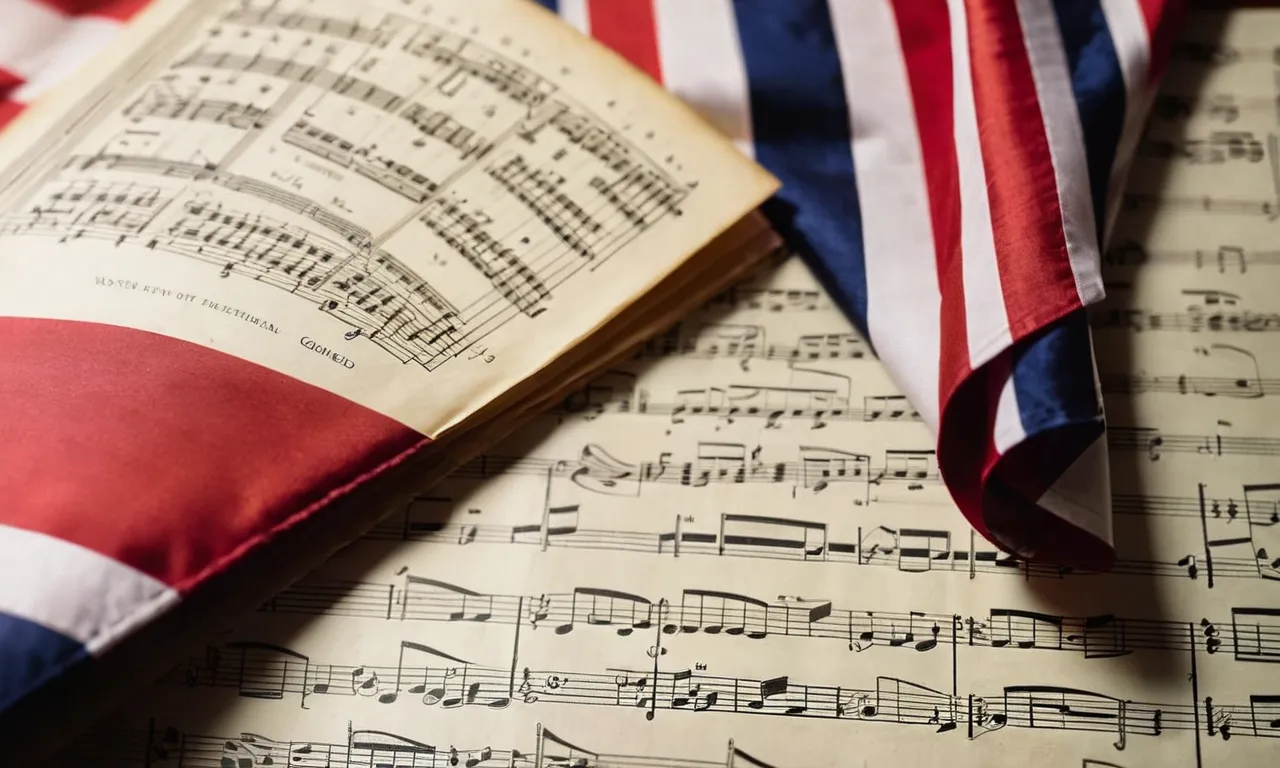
(1082, 495)
(1065, 135)
(986, 319)
(26, 29)
(574, 13)
(903, 302)
(73, 590)
(702, 63)
(1008, 430)
(44, 47)
(1132, 42)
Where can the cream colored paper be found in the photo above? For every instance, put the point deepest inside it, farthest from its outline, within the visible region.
(414, 205)
(645, 578)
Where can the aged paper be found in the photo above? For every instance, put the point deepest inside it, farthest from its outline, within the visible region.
(415, 205)
(735, 550)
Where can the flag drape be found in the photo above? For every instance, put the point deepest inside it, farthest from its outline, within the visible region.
(951, 169)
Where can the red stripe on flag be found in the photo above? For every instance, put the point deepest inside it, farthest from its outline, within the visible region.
(924, 30)
(167, 456)
(1031, 248)
(9, 108)
(121, 10)
(9, 82)
(629, 28)
(1164, 20)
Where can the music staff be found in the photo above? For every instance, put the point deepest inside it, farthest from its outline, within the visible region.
(362, 91)
(772, 300)
(1248, 383)
(1195, 320)
(355, 235)
(427, 676)
(383, 170)
(596, 469)
(819, 470)
(1258, 512)
(91, 209)
(1157, 443)
(1218, 148)
(541, 192)
(1226, 107)
(1182, 384)
(374, 293)
(907, 550)
(1251, 633)
(442, 126)
(1231, 206)
(775, 404)
(362, 748)
(510, 276)
(749, 342)
(270, 17)
(1221, 54)
(162, 102)
(1225, 258)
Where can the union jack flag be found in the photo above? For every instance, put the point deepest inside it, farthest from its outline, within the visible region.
(950, 167)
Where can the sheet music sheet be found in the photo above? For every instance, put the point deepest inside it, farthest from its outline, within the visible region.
(735, 550)
(415, 205)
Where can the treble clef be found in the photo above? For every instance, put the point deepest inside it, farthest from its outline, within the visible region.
(526, 688)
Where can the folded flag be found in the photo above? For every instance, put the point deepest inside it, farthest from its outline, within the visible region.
(951, 168)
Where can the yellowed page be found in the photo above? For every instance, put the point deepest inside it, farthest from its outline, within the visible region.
(414, 205)
(735, 550)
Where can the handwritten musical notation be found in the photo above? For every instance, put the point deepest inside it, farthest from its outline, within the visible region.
(746, 517)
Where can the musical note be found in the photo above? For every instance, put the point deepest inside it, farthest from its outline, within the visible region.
(890, 700)
(1220, 147)
(360, 747)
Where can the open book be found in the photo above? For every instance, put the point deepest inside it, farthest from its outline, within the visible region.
(264, 271)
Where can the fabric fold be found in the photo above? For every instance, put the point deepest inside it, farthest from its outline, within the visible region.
(950, 169)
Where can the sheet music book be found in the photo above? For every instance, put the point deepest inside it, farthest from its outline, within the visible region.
(734, 549)
(267, 267)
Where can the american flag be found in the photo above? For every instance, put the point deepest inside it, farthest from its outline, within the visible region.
(950, 167)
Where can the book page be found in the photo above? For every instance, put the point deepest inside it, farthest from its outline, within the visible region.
(414, 205)
(735, 550)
